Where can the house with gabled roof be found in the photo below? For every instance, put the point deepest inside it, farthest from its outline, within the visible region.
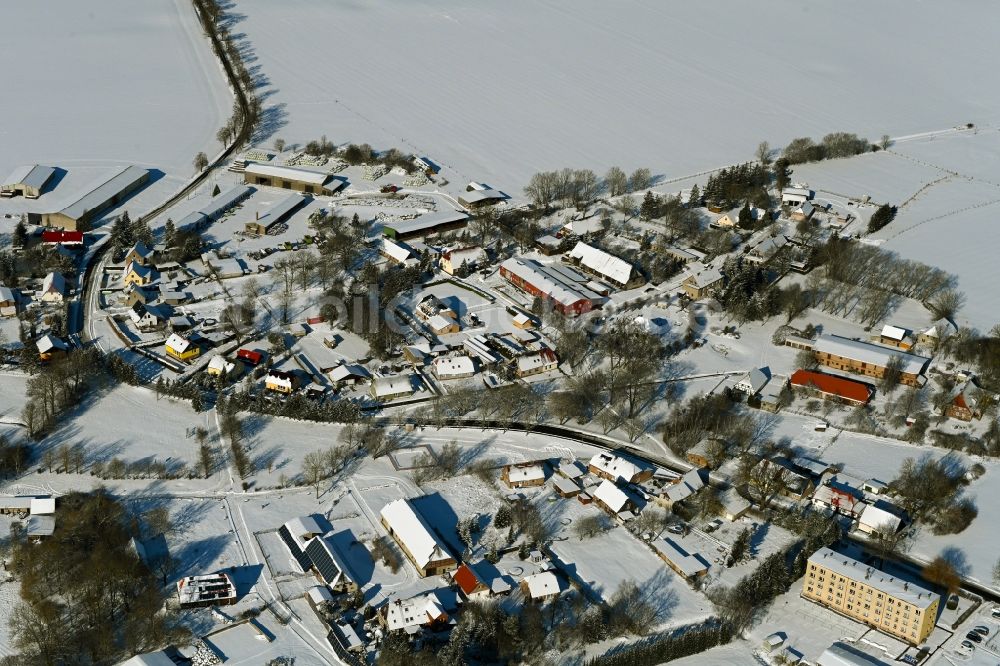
(411, 616)
(469, 583)
(138, 274)
(605, 265)
(964, 403)
(703, 284)
(523, 475)
(181, 348)
(50, 347)
(416, 538)
(53, 288)
(752, 382)
(542, 586)
(139, 254)
(613, 499)
(615, 468)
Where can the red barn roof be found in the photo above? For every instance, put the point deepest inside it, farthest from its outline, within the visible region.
(833, 385)
(253, 357)
(62, 237)
(466, 579)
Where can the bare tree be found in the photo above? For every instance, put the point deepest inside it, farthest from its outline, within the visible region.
(763, 153)
(885, 142)
(616, 182)
(279, 144)
(200, 162)
(641, 179)
(314, 469)
(946, 304)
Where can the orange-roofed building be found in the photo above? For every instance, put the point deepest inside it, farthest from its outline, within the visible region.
(469, 583)
(832, 387)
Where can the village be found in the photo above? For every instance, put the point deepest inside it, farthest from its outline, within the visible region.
(328, 403)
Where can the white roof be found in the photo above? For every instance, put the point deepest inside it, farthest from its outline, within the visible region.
(426, 222)
(599, 261)
(103, 193)
(159, 658)
(689, 564)
(40, 525)
(6, 293)
(522, 473)
(852, 569)
(413, 612)
(411, 529)
(141, 250)
(611, 496)
(42, 505)
(287, 173)
(319, 594)
(464, 254)
(542, 584)
(54, 282)
(617, 467)
(797, 192)
(453, 366)
(302, 529)
(345, 371)
(571, 469)
(878, 518)
(440, 323)
(177, 343)
(565, 485)
(48, 342)
(32, 175)
(869, 353)
(707, 277)
(893, 332)
(475, 196)
(395, 250)
(590, 225)
(539, 359)
(686, 486)
(840, 654)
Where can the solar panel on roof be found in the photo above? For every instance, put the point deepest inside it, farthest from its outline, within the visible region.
(322, 561)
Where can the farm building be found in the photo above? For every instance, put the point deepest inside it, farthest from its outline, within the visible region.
(523, 475)
(393, 386)
(688, 565)
(705, 283)
(480, 198)
(416, 538)
(564, 487)
(796, 195)
(203, 591)
(453, 367)
(216, 208)
(935, 333)
(895, 336)
(426, 225)
(470, 257)
(614, 468)
(108, 194)
(537, 362)
(53, 288)
(868, 359)
(27, 181)
(292, 178)
(606, 266)
(398, 253)
(330, 564)
(568, 295)
(269, 221)
(831, 387)
(181, 348)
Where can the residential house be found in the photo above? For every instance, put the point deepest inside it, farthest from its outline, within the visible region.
(139, 254)
(411, 616)
(684, 487)
(839, 497)
(53, 288)
(393, 386)
(698, 455)
(688, 565)
(565, 488)
(803, 212)
(964, 404)
(330, 564)
(469, 257)
(796, 196)
(537, 362)
(138, 295)
(770, 396)
(752, 382)
(219, 366)
(418, 541)
(703, 284)
(933, 335)
(442, 325)
(138, 274)
(181, 348)
(250, 357)
(605, 265)
(765, 250)
(469, 583)
(296, 534)
(280, 381)
(831, 387)
(734, 507)
(148, 317)
(615, 468)
(398, 252)
(453, 367)
(51, 347)
(868, 359)
(613, 499)
(877, 517)
(541, 587)
(8, 302)
(349, 375)
(522, 475)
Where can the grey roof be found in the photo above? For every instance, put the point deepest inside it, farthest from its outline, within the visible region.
(852, 569)
(840, 654)
(289, 173)
(220, 204)
(426, 222)
(867, 352)
(33, 175)
(100, 195)
(756, 378)
(283, 209)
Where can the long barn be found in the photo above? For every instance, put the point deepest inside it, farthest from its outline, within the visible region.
(110, 193)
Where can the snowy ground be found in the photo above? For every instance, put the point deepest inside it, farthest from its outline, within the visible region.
(128, 84)
(539, 95)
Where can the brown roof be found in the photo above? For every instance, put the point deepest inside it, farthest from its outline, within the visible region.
(833, 385)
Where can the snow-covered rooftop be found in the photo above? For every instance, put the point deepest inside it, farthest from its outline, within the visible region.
(617, 270)
(852, 569)
(410, 528)
(867, 352)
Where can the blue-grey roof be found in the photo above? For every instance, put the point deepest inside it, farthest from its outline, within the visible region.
(283, 209)
(33, 176)
(103, 193)
(220, 204)
(427, 222)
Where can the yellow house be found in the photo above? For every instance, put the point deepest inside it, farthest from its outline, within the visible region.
(136, 274)
(282, 382)
(182, 349)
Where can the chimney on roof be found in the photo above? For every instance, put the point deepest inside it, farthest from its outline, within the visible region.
(257, 215)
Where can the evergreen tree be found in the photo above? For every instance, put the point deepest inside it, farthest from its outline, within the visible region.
(20, 234)
(216, 190)
(169, 233)
(694, 198)
(121, 235)
(782, 174)
(650, 206)
(141, 233)
(746, 219)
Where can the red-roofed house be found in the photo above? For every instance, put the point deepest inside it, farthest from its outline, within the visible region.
(250, 356)
(72, 239)
(964, 405)
(469, 583)
(832, 387)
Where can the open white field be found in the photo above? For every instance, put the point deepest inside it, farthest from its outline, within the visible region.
(499, 92)
(107, 83)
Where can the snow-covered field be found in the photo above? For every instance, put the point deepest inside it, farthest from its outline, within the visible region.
(103, 84)
(497, 92)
